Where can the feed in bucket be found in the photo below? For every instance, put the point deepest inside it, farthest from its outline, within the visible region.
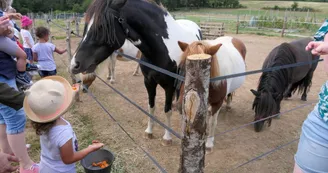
(102, 164)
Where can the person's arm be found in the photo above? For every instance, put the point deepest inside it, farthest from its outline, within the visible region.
(11, 97)
(68, 156)
(5, 163)
(60, 51)
(4, 26)
(11, 47)
(35, 54)
(28, 42)
(35, 57)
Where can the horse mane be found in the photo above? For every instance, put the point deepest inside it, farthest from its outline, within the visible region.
(103, 23)
(197, 47)
(158, 3)
(274, 83)
(200, 47)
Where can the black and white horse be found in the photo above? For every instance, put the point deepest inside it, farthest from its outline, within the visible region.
(151, 29)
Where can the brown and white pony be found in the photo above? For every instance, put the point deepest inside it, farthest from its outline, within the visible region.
(228, 57)
(129, 49)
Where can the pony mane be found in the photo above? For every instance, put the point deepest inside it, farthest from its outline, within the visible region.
(158, 3)
(200, 47)
(274, 83)
(103, 24)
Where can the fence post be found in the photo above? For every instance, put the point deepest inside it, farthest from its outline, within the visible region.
(194, 113)
(49, 27)
(33, 27)
(69, 52)
(77, 27)
(284, 27)
(237, 25)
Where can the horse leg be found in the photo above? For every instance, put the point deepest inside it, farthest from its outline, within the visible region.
(212, 122)
(307, 83)
(288, 92)
(112, 80)
(168, 112)
(136, 71)
(109, 75)
(151, 89)
(229, 99)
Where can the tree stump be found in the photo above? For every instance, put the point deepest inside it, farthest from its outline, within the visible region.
(194, 113)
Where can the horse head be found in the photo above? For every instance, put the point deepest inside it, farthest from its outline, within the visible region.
(197, 47)
(105, 31)
(265, 104)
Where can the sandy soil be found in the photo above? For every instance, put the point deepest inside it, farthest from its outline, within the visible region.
(230, 149)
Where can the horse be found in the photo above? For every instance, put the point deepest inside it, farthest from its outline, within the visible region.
(228, 57)
(129, 49)
(275, 85)
(152, 29)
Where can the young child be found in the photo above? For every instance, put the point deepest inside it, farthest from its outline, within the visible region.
(43, 53)
(8, 46)
(45, 103)
(29, 66)
(28, 41)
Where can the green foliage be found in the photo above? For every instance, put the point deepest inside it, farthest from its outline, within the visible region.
(35, 6)
(294, 6)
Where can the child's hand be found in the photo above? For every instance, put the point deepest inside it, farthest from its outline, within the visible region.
(96, 145)
(15, 16)
(317, 48)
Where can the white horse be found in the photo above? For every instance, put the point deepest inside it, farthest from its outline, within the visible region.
(129, 49)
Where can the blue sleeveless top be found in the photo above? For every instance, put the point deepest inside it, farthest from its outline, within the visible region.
(323, 102)
(7, 63)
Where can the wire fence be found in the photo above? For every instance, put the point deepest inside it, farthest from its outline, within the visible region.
(178, 77)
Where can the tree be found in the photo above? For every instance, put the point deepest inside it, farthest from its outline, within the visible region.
(295, 6)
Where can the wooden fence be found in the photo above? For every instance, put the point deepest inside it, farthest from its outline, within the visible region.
(212, 30)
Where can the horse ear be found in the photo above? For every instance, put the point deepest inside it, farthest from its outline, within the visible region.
(212, 50)
(255, 93)
(183, 46)
(118, 4)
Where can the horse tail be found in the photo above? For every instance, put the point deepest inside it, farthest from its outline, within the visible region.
(304, 85)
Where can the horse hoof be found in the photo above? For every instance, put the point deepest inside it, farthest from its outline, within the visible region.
(303, 98)
(149, 136)
(109, 78)
(135, 74)
(84, 91)
(228, 108)
(167, 142)
(112, 81)
(209, 150)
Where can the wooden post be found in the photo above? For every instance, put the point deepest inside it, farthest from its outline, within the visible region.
(194, 113)
(33, 27)
(69, 53)
(237, 25)
(284, 27)
(49, 27)
(77, 27)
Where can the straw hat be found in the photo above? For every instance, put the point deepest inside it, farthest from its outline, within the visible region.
(48, 99)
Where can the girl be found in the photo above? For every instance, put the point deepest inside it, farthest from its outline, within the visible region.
(45, 103)
(28, 41)
(43, 53)
(312, 152)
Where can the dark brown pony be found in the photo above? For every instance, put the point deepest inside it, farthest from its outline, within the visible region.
(276, 85)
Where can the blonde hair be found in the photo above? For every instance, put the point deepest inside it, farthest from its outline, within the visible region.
(5, 4)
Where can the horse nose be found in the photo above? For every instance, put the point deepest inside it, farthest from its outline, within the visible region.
(75, 67)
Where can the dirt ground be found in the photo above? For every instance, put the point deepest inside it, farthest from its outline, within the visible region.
(230, 149)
